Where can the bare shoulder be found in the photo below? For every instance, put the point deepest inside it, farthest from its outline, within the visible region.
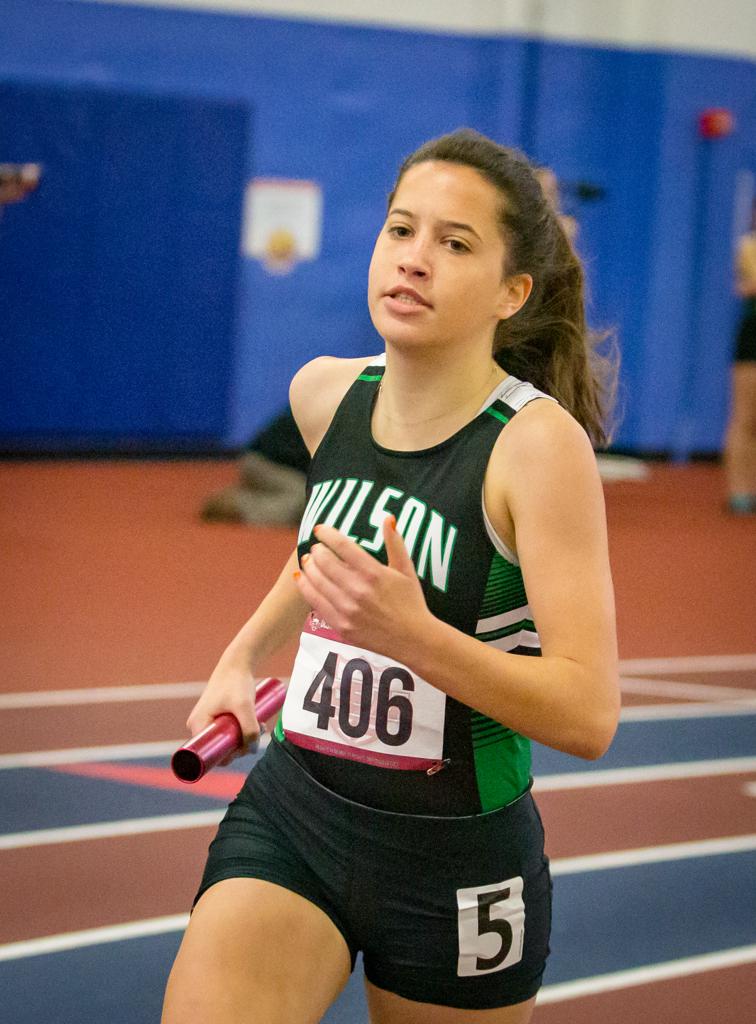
(542, 458)
(544, 429)
(316, 391)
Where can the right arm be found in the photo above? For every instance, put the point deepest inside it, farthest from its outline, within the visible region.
(278, 618)
(315, 393)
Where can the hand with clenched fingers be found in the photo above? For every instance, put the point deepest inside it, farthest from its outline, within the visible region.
(379, 607)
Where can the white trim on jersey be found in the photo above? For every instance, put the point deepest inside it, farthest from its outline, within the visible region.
(505, 552)
(516, 394)
(510, 618)
(525, 638)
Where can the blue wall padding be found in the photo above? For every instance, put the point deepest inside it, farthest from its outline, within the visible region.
(342, 105)
(120, 314)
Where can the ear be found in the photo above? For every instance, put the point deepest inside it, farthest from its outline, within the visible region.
(515, 292)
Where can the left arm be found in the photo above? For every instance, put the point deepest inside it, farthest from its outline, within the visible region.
(544, 496)
(543, 482)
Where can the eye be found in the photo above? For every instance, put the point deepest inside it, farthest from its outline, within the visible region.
(457, 245)
(398, 231)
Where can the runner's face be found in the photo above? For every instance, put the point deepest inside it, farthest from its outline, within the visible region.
(436, 272)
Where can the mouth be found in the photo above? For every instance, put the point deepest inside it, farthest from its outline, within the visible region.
(407, 298)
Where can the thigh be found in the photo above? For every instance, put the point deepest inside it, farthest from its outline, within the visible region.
(255, 951)
(387, 1008)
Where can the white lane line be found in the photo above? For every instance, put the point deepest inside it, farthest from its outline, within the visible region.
(652, 855)
(162, 748)
(109, 829)
(668, 712)
(699, 663)
(647, 975)
(543, 783)
(76, 755)
(100, 695)
(85, 755)
(174, 691)
(93, 937)
(750, 789)
(560, 866)
(181, 691)
(644, 773)
(683, 691)
(103, 695)
(549, 994)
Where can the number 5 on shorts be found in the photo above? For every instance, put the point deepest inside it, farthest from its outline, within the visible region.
(491, 927)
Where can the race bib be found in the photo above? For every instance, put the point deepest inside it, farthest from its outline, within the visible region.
(348, 702)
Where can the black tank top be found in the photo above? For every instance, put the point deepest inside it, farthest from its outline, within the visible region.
(362, 725)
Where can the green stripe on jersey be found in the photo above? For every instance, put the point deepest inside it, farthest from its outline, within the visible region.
(502, 757)
(492, 411)
(502, 762)
(505, 589)
(370, 376)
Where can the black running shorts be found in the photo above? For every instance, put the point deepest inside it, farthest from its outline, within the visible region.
(452, 911)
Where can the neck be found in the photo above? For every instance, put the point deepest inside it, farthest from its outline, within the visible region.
(424, 399)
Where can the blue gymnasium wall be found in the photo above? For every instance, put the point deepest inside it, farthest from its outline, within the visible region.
(342, 105)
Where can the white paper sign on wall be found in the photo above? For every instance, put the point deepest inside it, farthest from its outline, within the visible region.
(282, 222)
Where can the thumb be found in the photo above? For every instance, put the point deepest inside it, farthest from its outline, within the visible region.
(398, 556)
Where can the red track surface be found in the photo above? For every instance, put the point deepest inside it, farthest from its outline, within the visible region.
(110, 573)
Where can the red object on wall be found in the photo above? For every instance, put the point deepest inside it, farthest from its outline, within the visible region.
(715, 123)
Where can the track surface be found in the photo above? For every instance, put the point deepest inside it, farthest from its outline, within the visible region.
(114, 594)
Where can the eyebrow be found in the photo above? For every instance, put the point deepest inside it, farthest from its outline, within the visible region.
(444, 223)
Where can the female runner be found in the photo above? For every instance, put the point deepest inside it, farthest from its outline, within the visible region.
(453, 581)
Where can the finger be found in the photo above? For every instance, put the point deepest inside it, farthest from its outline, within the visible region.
(248, 724)
(197, 721)
(314, 598)
(327, 573)
(398, 556)
(323, 565)
(346, 549)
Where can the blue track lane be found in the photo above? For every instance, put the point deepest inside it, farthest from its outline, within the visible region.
(41, 798)
(618, 918)
(35, 798)
(660, 742)
(604, 921)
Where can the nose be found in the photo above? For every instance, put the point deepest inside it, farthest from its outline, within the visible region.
(414, 260)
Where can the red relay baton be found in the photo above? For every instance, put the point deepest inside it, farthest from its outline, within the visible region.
(224, 735)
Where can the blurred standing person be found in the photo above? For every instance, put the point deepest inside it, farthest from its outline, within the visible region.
(740, 441)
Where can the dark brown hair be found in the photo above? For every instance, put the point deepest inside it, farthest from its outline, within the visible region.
(547, 342)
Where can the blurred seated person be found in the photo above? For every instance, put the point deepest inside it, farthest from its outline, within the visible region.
(271, 488)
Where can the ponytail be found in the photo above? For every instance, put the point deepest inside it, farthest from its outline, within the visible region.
(548, 343)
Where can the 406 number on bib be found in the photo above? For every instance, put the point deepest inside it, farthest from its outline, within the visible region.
(392, 714)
